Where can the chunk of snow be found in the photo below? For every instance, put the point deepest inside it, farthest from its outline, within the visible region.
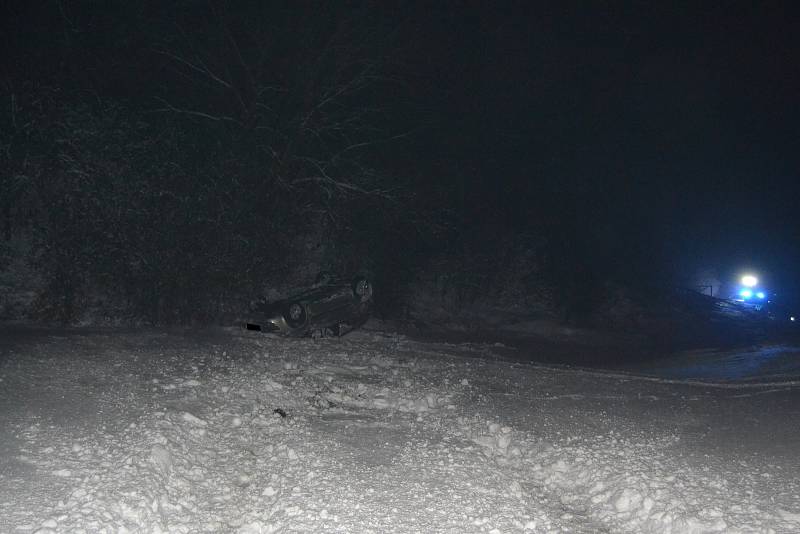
(627, 499)
(257, 527)
(162, 458)
(193, 419)
(271, 385)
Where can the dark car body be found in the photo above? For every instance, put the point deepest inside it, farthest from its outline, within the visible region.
(333, 306)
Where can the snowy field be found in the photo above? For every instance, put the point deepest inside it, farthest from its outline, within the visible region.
(239, 432)
(770, 363)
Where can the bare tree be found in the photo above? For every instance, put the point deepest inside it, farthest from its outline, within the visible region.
(302, 89)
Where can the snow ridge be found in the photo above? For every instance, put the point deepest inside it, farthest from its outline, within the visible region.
(368, 433)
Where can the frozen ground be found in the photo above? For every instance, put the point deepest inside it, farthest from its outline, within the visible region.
(770, 363)
(238, 432)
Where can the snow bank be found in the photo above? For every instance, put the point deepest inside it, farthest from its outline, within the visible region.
(371, 433)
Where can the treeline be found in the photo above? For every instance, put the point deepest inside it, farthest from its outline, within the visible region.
(170, 162)
(169, 165)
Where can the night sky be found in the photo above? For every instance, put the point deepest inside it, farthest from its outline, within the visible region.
(682, 115)
(669, 126)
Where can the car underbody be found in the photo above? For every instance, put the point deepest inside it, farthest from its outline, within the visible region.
(333, 306)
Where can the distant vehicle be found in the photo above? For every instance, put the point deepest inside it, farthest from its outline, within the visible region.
(333, 306)
(749, 294)
(750, 298)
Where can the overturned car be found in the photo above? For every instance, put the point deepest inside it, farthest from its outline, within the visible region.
(332, 306)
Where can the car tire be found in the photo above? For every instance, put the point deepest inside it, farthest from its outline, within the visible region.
(295, 315)
(362, 289)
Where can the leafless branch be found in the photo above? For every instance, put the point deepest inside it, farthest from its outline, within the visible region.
(194, 113)
(200, 67)
(344, 186)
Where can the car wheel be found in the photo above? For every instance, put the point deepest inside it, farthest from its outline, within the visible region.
(295, 315)
(362, 289)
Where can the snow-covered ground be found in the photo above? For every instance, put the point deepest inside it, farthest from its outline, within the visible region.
(770, 363)
(374, 432)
